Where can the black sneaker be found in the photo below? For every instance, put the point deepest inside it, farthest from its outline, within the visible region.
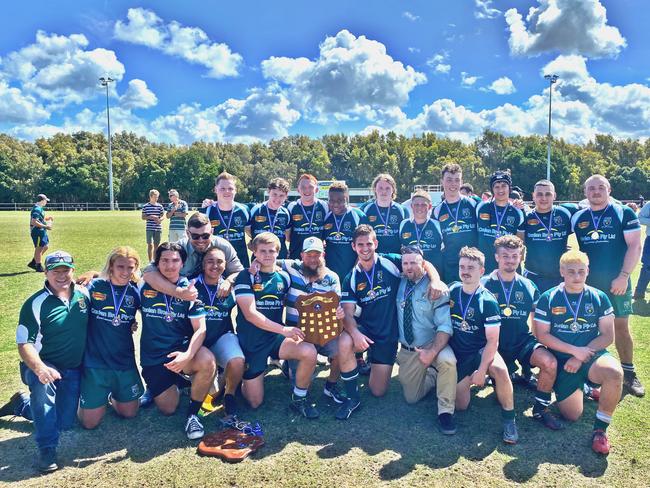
(363, 367)
(510, 434)
(47, 460)
(230, 404)
(39, 268)
(302, 406)
(345, 410)
(334, 392)
(632, 384)
(549, 420)
(32, 264)
(446, 424)
(11, 407)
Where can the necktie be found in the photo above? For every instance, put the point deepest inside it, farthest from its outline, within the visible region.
(408, 315)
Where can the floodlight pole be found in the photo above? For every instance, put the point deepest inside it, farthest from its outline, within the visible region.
(551, 80)
(105, 82)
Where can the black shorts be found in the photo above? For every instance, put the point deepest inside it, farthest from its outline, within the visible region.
(257, 361)
(466, 365)
(522, 354)
(158, 379)
(383, 351)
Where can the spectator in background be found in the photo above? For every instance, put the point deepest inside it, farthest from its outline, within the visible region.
(176, 213)
(39, 224)
(467, 190)
(486, 196)
(153, 213)
(644, 275)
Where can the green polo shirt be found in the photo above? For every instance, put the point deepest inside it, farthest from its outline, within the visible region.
(56, 327)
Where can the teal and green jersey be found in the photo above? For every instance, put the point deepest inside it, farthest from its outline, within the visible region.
(218, 311)
(176, 222)
(427, 236)
(306, 221)
(546, 240)
(556, 309)
(231, 225)
(166, 323)
(494, 221)
(375, 292)
(337, 235)
(270, 292)
(607, 251)
(56, 327)
(37, 213)
(110, 338)
(480, 312)
(264, 219)
(386, 222)
(520, 297)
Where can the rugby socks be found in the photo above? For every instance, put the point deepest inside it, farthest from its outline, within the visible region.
(194, 406)
(602, 421)
(628, 368)
(508, 415)
(299, 392)
(542, 402)
(350, 380)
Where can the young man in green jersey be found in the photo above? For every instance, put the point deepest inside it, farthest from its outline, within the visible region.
(576, 322)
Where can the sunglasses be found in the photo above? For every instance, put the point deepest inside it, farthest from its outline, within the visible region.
(196, 237)
(412, 250)
(58, 259)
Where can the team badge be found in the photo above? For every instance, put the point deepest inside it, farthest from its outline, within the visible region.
(394, 219)
(319, 215)
(238, 221)
(380, 275)
(607, 221)
(465, 213)
(470, 313)
(135, 390)
(589, 308)
(347, 226)
(280, 286)
(428, 234)
(519, 296)
(510, 220)
(129, 301)
(557, 220)
(99, 296)
(82, 303)
(178, 300)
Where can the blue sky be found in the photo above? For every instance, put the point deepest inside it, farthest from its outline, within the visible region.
(256, 70)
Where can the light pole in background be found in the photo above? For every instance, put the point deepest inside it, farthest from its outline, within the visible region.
(551, 80)
(105, 82)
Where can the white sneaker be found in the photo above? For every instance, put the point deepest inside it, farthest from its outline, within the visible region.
(194, 428)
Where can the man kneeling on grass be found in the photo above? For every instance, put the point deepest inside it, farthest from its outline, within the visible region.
(576, 322)
(171, 345)
(260, 298)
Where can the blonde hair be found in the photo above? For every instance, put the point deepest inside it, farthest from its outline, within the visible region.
(574, 257)
(154, 192)
(122, 252)
(387, 178)
(224, 175)
(473, 254)
(266, 238)
(421, 194)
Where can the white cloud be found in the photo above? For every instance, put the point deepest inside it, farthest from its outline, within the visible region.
(414, 49)
(501, 86)
(138, 95)
(565, 26)
(466, 80)
(485, 10)
(410, 16)
(189, 43)
(352, 77)
(438, 63)
(59, 69)
(18, 108)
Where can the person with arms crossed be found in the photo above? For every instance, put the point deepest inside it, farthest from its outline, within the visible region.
(51, 338)
(517, 297)
(176, 213)
(153, 213)
(384, 214)
(39, 224)
(110, 374)
(576, 322)
(456, 215)
(425, 359)
(171, 344)
(307, 215)
(477, 321)
(610, 235)
(272, 216)
(262, 335)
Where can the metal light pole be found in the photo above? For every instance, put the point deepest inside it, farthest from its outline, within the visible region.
(105, 82)
(551, 80)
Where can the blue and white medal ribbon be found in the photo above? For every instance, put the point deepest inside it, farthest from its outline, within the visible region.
(117, 304)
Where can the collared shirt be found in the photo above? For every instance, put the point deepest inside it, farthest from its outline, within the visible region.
(264, 219)
(176, 222)
(386, 222)
(337, 234)
(218, 311)
(306, 221)
(56, 327)
(230, 224)
(494, 221)
(429, 317)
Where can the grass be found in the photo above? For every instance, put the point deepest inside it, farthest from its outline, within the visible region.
(386, 443)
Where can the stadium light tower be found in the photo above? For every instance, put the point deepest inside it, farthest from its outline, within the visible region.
(105, 82)
(551, 80)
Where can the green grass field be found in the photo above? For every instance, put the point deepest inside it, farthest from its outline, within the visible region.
(386, 443)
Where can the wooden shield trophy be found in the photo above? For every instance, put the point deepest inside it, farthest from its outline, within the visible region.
(317, 317)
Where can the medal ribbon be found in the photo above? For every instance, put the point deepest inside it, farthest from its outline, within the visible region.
(507, 293)
(597, 222)
(229, 220)
(313, 212)
(454, 216)
(384, 220)
(117, 304)
(337, 223)
(550, 221)
(496, 214)
(460, 301)
(577, 310)
(371, 277)
(271, 222)
(168, 306)
(211, 296)
(418, 231)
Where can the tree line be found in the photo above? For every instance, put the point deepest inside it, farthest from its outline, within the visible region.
(73, 167)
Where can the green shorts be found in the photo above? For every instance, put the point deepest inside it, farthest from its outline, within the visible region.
(153, 237)
(257, 360)
(567, 383)
(622, 303)
(96, 384)
(522, 354)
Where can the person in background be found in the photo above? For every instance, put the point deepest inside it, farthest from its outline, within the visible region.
(153, 213)
(39, 224)
(176, 213)
(644, 275)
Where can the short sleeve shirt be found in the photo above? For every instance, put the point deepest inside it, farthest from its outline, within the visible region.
(494, 221)
(481, 312)
(306, 221)
(375, 292)
(520, 296)
(386, 222)
(159, 335)
(337, 234)
(156, 210)
(110, 343)
(264, 219)
(218, 311)
(426, 236)
(270, 292)
(57, 328)
(176, 222)
(37, 213)
(554, 309)
(231, 225)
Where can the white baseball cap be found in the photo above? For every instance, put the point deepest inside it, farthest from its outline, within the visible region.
(313, 244)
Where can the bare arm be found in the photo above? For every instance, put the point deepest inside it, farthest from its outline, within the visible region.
(246, 305)
(490, 349)
(181, 359)
(606, 336)
(40, 225)
(157, 281)
(544, 336)
(632, 255)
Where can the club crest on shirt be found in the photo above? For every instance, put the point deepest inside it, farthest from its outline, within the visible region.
(519, 296)
(510, 220)
(280, 286)
(393, 219)
(129, 301)
(465, 213)
(589, 309)
(347, 226)
(150, 293)
(319, 215)
(82, 303)
(238, 221)
(557, 220)
(99, 296)
(380, 276)
(607, 221)
(428, 234)
(470, 313)
(177, 300)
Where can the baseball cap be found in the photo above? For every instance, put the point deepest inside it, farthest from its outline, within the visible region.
(42, 196)
(313, 244)
(58, 258)
(499, 176)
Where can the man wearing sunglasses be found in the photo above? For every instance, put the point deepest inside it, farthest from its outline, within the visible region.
(51, 338)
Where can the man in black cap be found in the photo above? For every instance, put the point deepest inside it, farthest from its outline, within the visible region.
(39, 224)
(497, 217)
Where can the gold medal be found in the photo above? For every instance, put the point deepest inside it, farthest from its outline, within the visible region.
(455, 228)
(507, 311)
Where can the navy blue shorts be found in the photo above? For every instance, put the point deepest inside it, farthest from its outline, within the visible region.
(40, 238)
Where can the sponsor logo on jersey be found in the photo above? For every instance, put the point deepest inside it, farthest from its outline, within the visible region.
(558, 310)
(583, 225)
(99, 296)
(372, 218)
(328, 226)
(260, 218)
(258, 287)
(444, 218)
(533, 222)
(150, 293)
(484, 216)
(361, 286)
(215, 223)
(296, 217)
(406, 235)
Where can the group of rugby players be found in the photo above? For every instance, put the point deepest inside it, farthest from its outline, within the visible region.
(505, 286)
